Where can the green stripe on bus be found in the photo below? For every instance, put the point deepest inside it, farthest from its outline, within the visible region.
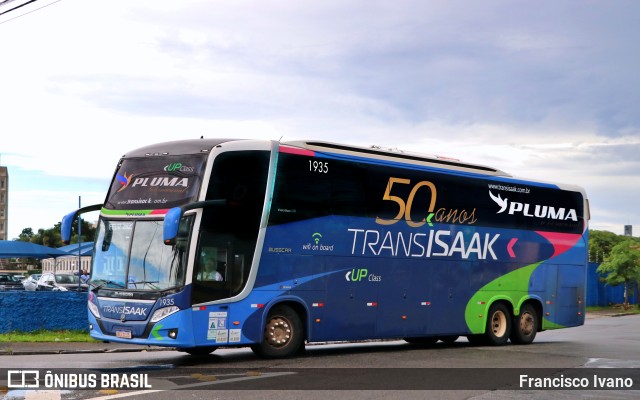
(125, 212)
(513, 287)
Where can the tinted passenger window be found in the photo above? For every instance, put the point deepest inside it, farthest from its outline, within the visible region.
(228, 234)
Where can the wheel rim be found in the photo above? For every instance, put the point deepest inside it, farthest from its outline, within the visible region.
(526, 323)
(499, 324)
(278, 332)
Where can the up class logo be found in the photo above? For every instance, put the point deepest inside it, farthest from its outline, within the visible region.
(174, 167)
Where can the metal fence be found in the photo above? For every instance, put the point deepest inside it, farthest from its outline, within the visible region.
(27, 311)
(601, 294)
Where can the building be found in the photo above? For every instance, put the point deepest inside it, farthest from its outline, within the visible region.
(4, 202)
(67, 265)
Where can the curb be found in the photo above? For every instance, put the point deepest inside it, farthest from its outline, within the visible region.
(599, 315)
(621, 314)
(80, 351)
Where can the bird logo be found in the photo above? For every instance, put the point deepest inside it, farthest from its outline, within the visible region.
(124, 180)
(502, 203)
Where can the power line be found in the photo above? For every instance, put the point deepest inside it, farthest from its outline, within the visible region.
(22, 5)
(5, 2)
(16, 7)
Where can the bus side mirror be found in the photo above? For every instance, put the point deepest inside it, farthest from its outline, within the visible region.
(174, 215)
(65, 227)
(67, 221)
(171, 224)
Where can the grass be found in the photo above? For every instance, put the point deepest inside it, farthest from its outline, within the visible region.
(616, 309)
(46, 336)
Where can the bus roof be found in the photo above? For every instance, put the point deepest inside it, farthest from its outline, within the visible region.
(188, 146)
(398, 155)
(205, 145)
(202, 145)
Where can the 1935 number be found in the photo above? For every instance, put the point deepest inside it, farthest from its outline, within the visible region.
(318, 166)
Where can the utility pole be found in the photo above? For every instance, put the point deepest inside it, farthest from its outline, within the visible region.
(79, 245)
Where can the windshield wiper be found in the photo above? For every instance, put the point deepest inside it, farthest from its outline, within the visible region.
(150, 283)
(105, 282)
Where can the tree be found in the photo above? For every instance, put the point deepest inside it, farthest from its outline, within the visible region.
(622, 266)
(88, 231)
(52, 237)
(26, 235)
(601, 243)
(49, 237)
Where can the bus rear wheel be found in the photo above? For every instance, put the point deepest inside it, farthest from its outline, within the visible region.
(498, 325)
(525, 325)
(283, 334)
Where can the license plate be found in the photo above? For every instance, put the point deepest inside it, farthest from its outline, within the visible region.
(123, 334)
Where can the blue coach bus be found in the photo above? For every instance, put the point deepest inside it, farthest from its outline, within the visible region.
(219, 242)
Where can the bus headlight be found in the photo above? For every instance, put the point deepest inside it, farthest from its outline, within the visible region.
(94, 309)
(163, 312)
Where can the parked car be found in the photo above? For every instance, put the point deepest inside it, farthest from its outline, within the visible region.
(31, 282)
(60, 283)
(8, 282)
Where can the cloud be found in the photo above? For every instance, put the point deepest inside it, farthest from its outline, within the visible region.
(410, 62)
(544, 91)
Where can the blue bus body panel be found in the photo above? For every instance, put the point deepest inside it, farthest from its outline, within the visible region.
(352, 277)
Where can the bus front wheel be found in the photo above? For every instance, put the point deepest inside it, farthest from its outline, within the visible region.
(283, 334)
(525, 325)
(498, 325)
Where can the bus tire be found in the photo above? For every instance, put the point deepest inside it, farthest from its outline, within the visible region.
(498, 325)
(200, 350)
(525, 325)
(283, 334)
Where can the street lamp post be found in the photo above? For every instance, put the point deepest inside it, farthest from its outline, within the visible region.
(79, 245)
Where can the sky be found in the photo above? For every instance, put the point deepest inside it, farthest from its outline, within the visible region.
(546, 90)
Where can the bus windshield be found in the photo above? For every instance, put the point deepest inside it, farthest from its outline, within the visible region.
(132, 255)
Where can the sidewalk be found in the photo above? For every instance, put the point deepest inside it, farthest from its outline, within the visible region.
(608, 313)
(28, 348)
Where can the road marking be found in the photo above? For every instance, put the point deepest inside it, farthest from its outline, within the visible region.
(611, 363)
(42, 395)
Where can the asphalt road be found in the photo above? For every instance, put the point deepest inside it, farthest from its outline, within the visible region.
(606, 350)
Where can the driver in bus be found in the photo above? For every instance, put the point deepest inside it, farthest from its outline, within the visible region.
(209, 271)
